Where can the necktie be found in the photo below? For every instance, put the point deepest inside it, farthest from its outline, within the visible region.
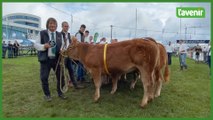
(54, 41)
(52, 36)
(65, 41)
(52, 50)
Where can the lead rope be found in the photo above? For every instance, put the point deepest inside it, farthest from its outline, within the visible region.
(63, 72)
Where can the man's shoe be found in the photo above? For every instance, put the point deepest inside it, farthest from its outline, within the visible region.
(181, 68)
(63, 97)
(48, 98)
(70, 84)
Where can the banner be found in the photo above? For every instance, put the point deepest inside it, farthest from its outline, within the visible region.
(194, 41)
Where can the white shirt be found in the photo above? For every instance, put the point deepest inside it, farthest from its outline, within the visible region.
(86, 39)
(78, 36)
(205, 49)
(183, 48)
(169, 48)
(209, 50)
(63, 47)
(40, 47)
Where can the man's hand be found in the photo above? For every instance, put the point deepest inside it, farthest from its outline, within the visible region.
(47, 45)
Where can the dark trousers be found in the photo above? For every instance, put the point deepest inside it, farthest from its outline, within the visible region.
(80, 76)
(15, 50)
(209, 61)
(4, 50)
(205, 57)
(68, 64)
(45, 68)
(169, 58)
(10, 52)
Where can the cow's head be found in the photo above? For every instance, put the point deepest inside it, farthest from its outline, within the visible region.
(72, 50)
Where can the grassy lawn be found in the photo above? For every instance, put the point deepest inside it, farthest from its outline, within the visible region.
(186, 95)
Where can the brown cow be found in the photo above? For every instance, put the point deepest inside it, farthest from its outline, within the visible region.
(121, 57)
(162, 67)
(161, 71)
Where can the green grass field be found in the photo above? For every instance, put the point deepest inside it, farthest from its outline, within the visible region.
(186, 95)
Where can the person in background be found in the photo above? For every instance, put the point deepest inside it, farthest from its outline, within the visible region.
(80, 71)
(80, 34)
(205, 54)
(4, 49)
(68, 63)
(169, 50)
(10, 49)
(197, 53)
(49, 45)
(16, 48)
(209, 57)
(86, 36)
(103, 41)
(182, 55)
(114, 40)
(91, 39)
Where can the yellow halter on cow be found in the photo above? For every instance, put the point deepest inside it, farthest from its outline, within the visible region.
(105, 62)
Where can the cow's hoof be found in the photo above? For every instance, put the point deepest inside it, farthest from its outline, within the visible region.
(151, 98)
(96, 99)
(112, 92)
(143, 106)
(132, 87)
(157, 95)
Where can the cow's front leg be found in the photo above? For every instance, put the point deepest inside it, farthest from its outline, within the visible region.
(97, 81)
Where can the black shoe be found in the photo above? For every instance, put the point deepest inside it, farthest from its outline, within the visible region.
(48, 98)
(181, 68)
(62, 96)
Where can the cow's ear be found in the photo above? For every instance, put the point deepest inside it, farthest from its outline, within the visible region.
(74, 40)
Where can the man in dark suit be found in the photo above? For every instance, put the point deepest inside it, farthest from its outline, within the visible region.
(49, 46)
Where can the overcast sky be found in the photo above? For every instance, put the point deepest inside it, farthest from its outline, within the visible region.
(152, 18)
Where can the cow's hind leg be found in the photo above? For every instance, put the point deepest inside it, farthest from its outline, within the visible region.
(159, 80)
(134, 81)
(152, 86)
(158, 88)
(97, 81)
(114, 84)
(148, 85)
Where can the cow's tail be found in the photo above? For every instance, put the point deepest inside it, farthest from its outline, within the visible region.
(166, 73)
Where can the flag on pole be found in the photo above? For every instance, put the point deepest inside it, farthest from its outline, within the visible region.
(95, 37)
